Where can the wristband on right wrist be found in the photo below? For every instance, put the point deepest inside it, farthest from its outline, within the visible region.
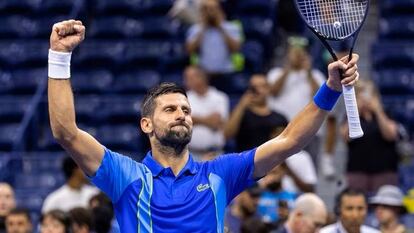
(59, 65)
(326, 98)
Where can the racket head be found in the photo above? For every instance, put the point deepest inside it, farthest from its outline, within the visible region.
(333, 19)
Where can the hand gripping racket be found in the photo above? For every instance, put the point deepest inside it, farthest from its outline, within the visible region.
(337, 20)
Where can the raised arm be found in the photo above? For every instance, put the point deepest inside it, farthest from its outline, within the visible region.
(304, 126)
(84, 149)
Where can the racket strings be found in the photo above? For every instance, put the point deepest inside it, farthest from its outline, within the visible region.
(333, 18)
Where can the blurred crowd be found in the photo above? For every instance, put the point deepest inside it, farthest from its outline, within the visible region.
(285, 200)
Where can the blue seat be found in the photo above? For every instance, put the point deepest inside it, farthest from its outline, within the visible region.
(176, 78)
(21, 53)
(120, 137)
(396, 7)
(254, 55)
(6, 82)
(397, 27)
(258, 28)
(406, 174)
(176, 60)
(99, 54)
(408, 220)
(396, 106)
(57, 7)
(136, 82)
(40, 180)
(395, 81)
(88, 109)
(8, 136)
(45, 162)
(44, 24)
(258, 8)
(393, 54)
(26, 81)
(159, 28)
(92, 81)
(144, 54)
(31, 199)
(121, 109)
(236, 83)
(13, 108)
(19, 6)
(157, 7)
(115, 27)
(117, 7)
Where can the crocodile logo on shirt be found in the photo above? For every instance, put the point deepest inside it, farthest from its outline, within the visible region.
(202, 187)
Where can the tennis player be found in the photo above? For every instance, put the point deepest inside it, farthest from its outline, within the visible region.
(169, 191)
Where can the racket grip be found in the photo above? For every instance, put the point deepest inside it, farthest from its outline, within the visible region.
(354, 125)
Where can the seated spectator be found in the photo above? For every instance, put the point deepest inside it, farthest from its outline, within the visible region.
(388, 205)
(55, 221)
(214, 39)
(210, 110)
(19, 221)
(252, 122)
(7, 203)
(308, 215)
(372, 159)
(100, 200)
(76, 192)
(351, 208)
(293, 86)
(81, 220)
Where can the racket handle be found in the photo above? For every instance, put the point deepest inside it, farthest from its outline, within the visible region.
(355, 130)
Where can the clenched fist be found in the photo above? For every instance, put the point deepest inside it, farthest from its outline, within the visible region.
(66, 35)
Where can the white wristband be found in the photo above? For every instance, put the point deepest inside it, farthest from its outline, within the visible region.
(59, 64)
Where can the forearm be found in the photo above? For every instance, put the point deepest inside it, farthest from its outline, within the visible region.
(232, 44)
(387, 127)
(193, 45)
(314, 85)
(61, 110)
(233, 124)
(276, 87)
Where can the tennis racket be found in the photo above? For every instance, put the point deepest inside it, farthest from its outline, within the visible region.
(337, 20)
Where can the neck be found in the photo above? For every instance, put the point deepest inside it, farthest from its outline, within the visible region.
(202, 90)
(352, 229)
(390, 226)
(261, 110)
(175, 158)
(74, 183)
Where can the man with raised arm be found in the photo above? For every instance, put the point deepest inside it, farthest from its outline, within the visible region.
(169, 191)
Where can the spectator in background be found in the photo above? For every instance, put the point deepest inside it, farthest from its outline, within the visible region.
(372, 159)
(214, 39)
(293, 86)
(252, 122)
(308, 215)
(100, 200)
(7, 203)
(81, 220)
(102, 219)
(210, 110)
(55, 221)
(18, 221)
(352, 208)
(76, 192)
(388, 205)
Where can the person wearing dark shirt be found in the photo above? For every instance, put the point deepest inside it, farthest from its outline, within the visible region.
(372, 159)
(252, 122)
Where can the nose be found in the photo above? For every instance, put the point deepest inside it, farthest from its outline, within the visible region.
(180, 114)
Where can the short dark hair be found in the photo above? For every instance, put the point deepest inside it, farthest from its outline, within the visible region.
(148, 104)
(60, 216)
(82, 217)
(68, 167)
(347, 192)
(20, 211)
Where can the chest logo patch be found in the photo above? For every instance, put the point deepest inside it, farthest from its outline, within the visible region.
(202, 187)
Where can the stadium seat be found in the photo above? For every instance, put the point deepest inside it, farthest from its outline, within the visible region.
(92, 81)
(256, 28)
(13, 108)
(396, 7)
(115, 27)
(136, 82)
(26, 81)
(22, 53)
(120, 137)
(393, 54)
(396, 106)
(176, 60)
(395, 81)
(39, 180)
(57, 7)
(44, 162)
(121, 109)
(88, 109)
(236, 83)
(99, 54)
(31, 199)
(256, 8)
(253, 54)
(408, 220)
(19, 6)
(117, 7)
(8, 136)
(176, 78)
(159, 28)
(144, 54)
(158, 7)
(393, 28)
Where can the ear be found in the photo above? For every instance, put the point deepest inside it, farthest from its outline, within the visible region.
(146, 125)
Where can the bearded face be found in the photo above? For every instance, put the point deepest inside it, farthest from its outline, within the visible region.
(177, 135)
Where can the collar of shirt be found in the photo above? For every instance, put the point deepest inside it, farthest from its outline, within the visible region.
(156, 169)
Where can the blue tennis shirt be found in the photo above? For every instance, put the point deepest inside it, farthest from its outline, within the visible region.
(150, 198)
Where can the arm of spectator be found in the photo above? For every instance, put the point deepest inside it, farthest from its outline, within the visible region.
(388, 127)
(307, 65)
(85, 150)
(232, 43)
(233, 124)
(302, 185)
(193, 43)
(213, 121)
(277, 86)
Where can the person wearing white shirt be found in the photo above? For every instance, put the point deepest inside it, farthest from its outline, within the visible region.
(352, 210)
(74, 193)
(209, 109)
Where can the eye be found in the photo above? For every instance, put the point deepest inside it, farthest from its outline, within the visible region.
(169, 109)
(186, 111)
